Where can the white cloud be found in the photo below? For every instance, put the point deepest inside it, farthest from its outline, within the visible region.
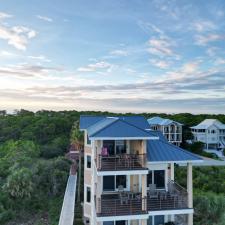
(220, 61)
(40, 57)
(119, 52)
(96, 66)
(7, 54)
(17, 36)
(160, 63)
(5, 15)
(45, 18)
(203, 40)
(160, 47)
(201, 26)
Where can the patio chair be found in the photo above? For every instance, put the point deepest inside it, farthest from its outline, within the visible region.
(120, 188)
(123, 198)
(152, 191)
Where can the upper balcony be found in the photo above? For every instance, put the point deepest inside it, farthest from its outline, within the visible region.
(121, 155)
(121, 162)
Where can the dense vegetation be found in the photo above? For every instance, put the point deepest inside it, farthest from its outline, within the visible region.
(33, 170)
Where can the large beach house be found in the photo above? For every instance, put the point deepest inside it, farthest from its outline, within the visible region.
(129, 174)
(172, 130)
(211, 132)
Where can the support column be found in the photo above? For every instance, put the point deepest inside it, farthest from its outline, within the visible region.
(190, 192)
(144, 191)
(172, 171)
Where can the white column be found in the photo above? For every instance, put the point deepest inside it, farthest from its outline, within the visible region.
(171, 171)
(144, 190)
(190, 192)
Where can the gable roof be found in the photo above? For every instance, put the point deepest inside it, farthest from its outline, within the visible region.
(88, 120)
(205, 124)
(117, 127)
(163, 151)
(161, 121)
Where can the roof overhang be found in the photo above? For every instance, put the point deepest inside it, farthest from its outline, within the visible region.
(175, 161)
(123, 138)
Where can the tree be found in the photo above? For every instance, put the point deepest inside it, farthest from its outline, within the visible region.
(19, 184)
(77, 139)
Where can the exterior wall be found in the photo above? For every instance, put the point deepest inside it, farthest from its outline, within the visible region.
(138, 146)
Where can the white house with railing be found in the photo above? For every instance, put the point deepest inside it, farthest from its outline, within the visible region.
(211, 132)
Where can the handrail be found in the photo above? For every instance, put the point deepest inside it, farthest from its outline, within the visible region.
(119, 207)
(121, 162)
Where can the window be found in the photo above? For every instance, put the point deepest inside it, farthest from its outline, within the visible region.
(159, 178)
(121, 180)
(120, 222)
(108, 223)
(88, 194)
(159, 220)
(88, 161)
(120, 147)
(110, 183)
(88, 140)
(110, 145)
(149, 178)
(149, 222)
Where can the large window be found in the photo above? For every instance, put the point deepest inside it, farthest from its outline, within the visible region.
(88, 194)
(159, 178)
(115, 147)
(120, 147)
(88, 161)
(121, 180)
(119, 222)
(111, 183)
(156, 220)
(156, 177)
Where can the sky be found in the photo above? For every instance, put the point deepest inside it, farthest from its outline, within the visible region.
(113, 55)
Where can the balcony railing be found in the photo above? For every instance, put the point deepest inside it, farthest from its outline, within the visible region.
(174, 198)
(133, 204)
(113, 205)
(121, 162)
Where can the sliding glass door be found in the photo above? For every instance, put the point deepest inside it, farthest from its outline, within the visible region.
(115, 147)
(111, 183)
(157, 177)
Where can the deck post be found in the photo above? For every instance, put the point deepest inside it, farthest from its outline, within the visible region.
(144, 191)
(190, 192)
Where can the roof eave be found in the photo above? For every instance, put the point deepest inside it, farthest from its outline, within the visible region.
(123, 138)
(176, 161)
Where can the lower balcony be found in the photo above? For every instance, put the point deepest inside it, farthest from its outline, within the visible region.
(115, 205)
(131, 203)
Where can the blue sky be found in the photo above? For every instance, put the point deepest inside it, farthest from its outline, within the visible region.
(136, 55)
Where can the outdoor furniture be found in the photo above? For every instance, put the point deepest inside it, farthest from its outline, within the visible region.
(152, 191)
(120, 188)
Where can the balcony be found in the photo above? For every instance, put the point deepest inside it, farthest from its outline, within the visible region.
(130, 203)
(114, 205)
(121, 162)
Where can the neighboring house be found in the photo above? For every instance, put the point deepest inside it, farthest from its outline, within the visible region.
(171, 130)
(211, 132)
(129, 174)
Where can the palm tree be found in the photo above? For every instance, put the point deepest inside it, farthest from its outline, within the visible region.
(77, 139)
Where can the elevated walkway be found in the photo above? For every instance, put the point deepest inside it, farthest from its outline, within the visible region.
(67, 212)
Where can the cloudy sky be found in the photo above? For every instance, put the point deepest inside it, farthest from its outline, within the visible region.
(116, 55)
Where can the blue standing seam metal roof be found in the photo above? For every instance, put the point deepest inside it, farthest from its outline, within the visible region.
(116, 128)
(89, 120)
(159, 151)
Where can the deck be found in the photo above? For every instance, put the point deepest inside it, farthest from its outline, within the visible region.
(121, 162)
